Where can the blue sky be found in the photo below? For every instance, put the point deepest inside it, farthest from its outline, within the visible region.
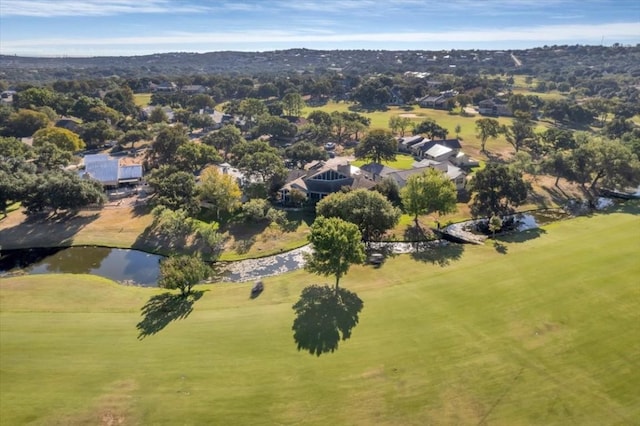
(136, 27)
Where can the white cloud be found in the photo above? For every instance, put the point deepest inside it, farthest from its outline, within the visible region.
(248, 40)
(57, 8)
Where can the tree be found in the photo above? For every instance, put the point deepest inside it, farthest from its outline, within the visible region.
(304, 152)
(122, 100)
(133, 136)
(431, 129)
(201, 101)
(458, 129)
(370, 211)
(600, 160)
(519, 103)
(554, 140)
(174, 189)
(50, 157)
(11, 147)
(83, 105)
(487, 128)
(399, 124)
(225, 138)
(164, 148)
(252, 108)
(16, 175)
(64, 139)
(293, 104)
(377, 146)
(520, 133)
(60, 190)
(182, 272)
(495, 224)
(200, 121)
(258, 158)
(429, 192)
(96, 133)
(103, 113)
(193, 156)
(25, 123)
(497, 189)
(557, 164)
(336, 246)
(388, 187)
(158, 115)
(220, 190)
(34, 97)
(276, 127)
(320, 118)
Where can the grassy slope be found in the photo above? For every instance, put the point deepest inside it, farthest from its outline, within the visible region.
(546, 334)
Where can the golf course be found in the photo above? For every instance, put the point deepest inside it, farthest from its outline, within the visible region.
(542, 328)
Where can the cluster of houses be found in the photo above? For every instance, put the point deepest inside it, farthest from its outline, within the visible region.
(321, 178)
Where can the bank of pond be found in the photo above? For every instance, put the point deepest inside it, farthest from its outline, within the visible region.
(134, 267)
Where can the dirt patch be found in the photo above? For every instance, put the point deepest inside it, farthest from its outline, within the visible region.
(408, 115)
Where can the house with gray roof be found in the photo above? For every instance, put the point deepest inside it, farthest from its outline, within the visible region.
(377, 172)
(321, 178)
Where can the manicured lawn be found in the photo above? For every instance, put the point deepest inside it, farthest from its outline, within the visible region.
(402, 162)
(142, 99)
(545, 334)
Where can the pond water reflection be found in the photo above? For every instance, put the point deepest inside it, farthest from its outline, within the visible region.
(125, 266)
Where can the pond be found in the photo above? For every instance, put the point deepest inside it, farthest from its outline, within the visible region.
(125, 266)
(134, 267)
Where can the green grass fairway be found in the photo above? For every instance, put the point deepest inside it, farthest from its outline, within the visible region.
(544, 331)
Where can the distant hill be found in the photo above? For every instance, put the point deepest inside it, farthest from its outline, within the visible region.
(614, 59)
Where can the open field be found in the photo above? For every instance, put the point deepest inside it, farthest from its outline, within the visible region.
(142, 99)
(543, 331)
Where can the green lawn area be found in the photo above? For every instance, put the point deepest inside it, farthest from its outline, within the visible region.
(402, 162)
(544, 331)
(142, 99)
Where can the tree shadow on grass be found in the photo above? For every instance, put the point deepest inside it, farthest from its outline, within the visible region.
(45, 230)
(522, 236)
(499, 247)
(324, 317)
(438, 253)
(418, 233)
(164, 308)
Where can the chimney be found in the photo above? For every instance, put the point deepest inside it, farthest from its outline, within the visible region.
(345, 169)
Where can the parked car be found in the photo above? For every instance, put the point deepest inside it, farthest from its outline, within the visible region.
(329, 146)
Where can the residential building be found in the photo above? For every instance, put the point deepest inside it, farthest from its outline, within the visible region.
(321, 178)
(108, 171)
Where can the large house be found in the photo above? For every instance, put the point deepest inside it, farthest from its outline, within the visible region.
(495, 107)
(321, 178)
(109, 172)
(377, 172)
(439, 150)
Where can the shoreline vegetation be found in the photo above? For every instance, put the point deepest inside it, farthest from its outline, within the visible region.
(128, 227)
